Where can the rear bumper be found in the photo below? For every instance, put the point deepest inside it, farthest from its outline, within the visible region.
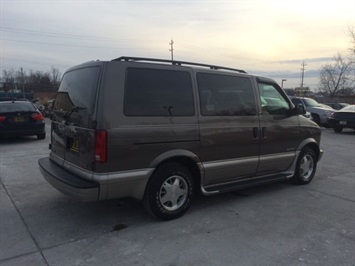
(20, 131)
(342, 123)
(68, 183)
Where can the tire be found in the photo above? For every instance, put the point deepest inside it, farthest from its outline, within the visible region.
(305, 168)
(41, 136)
(338, 129)
(169, 192)
(316, 118)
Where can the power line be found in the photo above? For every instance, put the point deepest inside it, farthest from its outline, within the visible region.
(79, 46)
(67, 36)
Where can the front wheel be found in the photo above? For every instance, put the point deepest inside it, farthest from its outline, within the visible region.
(338, 129)
(169, 192)
(316, 118)
(306, 167)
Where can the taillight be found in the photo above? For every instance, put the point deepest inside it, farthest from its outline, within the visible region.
(37, 116)
(2, 118)
(100, 146)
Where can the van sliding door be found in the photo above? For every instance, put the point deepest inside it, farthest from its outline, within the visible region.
(228, 127)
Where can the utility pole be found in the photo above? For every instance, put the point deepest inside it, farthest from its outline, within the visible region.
(23, 84)
(302, 75)
(282, 83)
(172, 49)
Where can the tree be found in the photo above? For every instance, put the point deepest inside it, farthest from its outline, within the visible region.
(336, 76)
(55, 77)
(8, 79)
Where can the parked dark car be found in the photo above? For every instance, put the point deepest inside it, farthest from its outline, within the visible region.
(344, 118)
(21, 118)
(337, 106)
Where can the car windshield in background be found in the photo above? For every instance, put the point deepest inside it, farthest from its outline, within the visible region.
(78, 89)
(349, 108)
(310, 102)
(16, 107)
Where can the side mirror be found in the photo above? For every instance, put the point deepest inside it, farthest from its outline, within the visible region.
(300, 109)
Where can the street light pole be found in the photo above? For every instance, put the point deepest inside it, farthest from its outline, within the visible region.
(282, 83)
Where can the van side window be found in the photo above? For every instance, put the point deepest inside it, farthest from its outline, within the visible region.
(222, 95)
(153, 92)
(272, 101)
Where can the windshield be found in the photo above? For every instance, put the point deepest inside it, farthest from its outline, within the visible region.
(349, 108)
(310, 102)
(78, 90)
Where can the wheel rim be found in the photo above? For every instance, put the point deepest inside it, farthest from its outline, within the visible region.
(306, 167)
(173, 193)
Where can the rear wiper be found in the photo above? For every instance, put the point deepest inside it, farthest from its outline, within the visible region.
(74, 109)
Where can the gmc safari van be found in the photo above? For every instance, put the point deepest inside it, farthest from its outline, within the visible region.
(160, 131)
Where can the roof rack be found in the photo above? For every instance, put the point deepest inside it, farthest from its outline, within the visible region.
(173, 62)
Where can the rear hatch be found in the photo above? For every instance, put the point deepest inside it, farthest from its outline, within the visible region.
(73, 121)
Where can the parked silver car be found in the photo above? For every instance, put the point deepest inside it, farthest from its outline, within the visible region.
(320, 112)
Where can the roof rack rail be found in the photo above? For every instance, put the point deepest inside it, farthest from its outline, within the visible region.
(174, 62)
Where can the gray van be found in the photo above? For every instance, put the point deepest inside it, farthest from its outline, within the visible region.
(160, 131)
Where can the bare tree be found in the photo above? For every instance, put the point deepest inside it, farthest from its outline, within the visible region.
(55, 76)
(8, 79)
(334, 77)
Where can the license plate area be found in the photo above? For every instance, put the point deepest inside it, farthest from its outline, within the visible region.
(342, 122)
(19, 119)
(73, 145)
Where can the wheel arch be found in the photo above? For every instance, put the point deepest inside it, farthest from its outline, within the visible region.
(311, 143)
(186, 158)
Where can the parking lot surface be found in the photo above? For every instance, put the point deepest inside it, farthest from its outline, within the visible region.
(274, 224)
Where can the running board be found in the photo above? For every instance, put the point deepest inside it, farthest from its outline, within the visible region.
(227, 187)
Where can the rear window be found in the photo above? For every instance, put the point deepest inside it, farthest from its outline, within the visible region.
(78, 89)
(16, 107)
(153, 92)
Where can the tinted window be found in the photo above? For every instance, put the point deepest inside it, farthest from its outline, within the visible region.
(222, 95)
(296, 101)
(152, 92)
(16, 107)
(78, 89)
(272, 101)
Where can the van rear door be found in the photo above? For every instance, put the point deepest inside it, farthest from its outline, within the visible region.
(73, 127)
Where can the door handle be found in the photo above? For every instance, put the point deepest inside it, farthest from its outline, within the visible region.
(263, 133)
(256, 136)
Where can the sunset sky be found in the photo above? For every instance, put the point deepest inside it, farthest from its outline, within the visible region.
(267, 37)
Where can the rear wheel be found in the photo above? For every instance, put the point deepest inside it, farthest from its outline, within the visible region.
(338, 129)
(305, 168)
(169, 192)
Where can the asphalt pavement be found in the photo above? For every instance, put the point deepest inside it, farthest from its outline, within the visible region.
(274, 224)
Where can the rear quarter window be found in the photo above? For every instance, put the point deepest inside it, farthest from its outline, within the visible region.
(156, 92)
